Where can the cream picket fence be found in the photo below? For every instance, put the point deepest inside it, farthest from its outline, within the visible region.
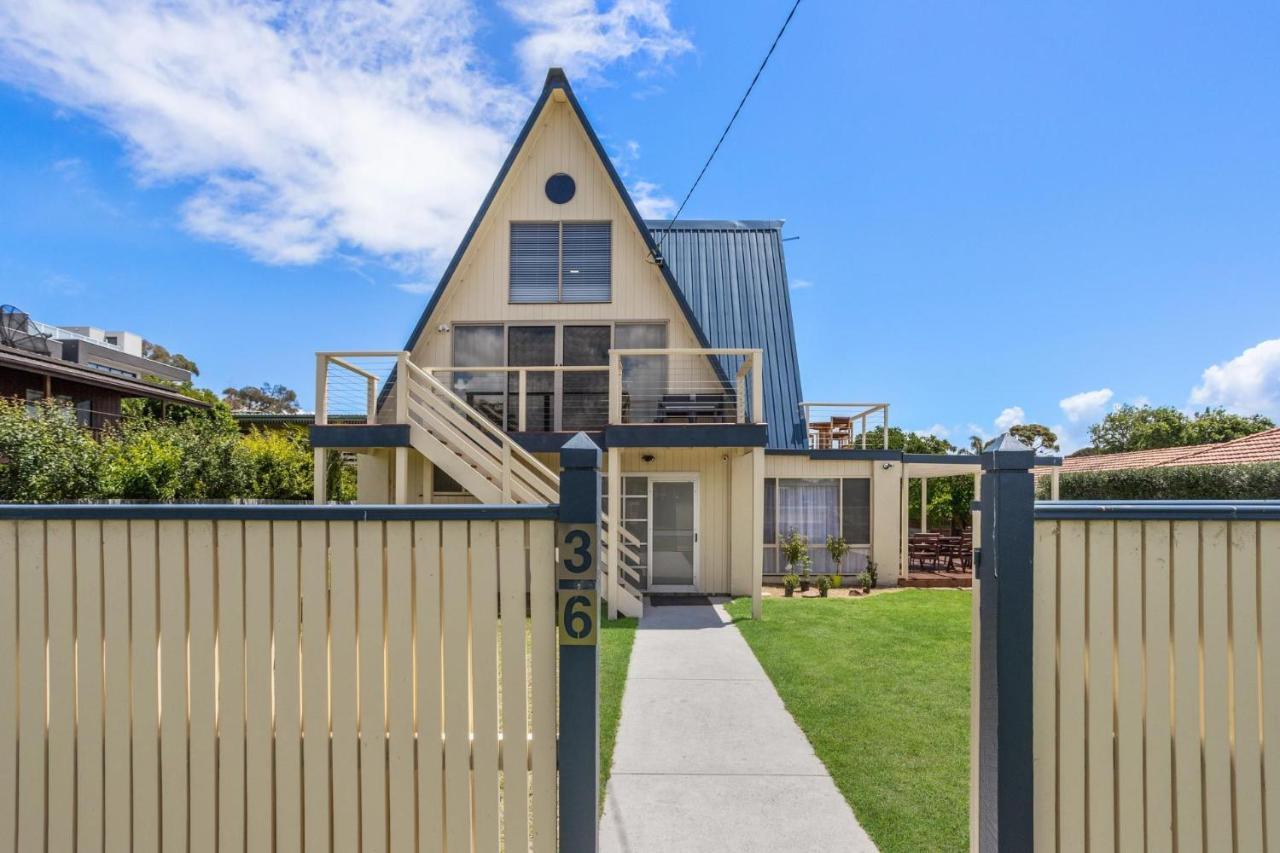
(1157, 684)
(1126, 671)
(239, 679)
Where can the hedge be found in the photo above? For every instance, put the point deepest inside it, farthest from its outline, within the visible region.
(1259, 481)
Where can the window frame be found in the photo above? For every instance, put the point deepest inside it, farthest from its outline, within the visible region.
(560, 224)
(854, 547)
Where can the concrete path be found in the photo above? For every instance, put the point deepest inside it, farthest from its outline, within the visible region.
(707, 757)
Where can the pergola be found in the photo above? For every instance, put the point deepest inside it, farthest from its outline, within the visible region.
(924, 467)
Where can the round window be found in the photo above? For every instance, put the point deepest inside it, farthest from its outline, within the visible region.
(560, 188)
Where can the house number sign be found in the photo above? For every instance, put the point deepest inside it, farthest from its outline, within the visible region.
(576, 574)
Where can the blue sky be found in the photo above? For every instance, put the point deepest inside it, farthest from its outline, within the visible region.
(1004, 211)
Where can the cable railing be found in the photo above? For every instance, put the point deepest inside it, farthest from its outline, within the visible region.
(846, 426)
(686, 386)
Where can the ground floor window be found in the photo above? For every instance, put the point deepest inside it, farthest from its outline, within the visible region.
(817, 508)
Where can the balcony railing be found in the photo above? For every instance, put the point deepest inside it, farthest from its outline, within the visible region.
(638, 386)
(846, 426)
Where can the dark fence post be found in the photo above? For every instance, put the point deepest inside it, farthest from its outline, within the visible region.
(1005, 792)
(578, 603)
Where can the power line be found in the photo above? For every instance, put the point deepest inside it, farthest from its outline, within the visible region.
(729, 126)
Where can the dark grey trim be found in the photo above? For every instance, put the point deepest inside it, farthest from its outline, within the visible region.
(282, 512)
(687, 435)
(366, 435)
(550, 442)
(943, 458)
(1158, 510)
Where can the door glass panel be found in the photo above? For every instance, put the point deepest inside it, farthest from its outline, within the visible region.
(586, 395)
(673, 533)
(644, 378)
(479, 346)
(532, 346)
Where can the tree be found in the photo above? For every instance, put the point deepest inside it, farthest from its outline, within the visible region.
(155, 352)
(276, 399)
(908, 442)
(45, 456)
(1151, 427)
(1035, 436)
(1216, 425)
(976, 443)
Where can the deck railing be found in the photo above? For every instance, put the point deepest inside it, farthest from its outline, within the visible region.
(638, 386)
(844, 426)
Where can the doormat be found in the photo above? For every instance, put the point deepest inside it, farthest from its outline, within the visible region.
(679, 601)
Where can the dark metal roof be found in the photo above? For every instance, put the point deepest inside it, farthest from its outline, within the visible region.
(734, 277)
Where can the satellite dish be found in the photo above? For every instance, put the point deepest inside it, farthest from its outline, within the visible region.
(17, 331)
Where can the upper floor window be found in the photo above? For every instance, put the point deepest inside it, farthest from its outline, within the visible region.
(561, 262)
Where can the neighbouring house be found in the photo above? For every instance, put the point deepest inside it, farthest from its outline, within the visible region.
(1260, 447)
(83, 368)
(671, 345)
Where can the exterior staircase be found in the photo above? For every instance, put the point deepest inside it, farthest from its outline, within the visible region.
(489, 464)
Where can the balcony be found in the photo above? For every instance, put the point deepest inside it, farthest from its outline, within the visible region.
(847, 426)
(651, 396)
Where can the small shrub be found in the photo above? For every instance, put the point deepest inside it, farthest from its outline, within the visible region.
(870, 571)
(795, 550)
(837, 581)
(790, 582)
(824, 584)
(866, 581)
(838, 549)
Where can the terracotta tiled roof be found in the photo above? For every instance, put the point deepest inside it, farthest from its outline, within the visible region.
(1260, 447)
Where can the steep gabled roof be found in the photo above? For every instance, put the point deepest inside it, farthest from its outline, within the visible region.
(556, 80)
(734, 277)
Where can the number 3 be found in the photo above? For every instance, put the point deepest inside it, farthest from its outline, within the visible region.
(580, 540)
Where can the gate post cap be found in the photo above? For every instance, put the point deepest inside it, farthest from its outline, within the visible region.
(580, 452)
(1007, 452)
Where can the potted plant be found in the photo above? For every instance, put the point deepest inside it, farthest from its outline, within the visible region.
(795, 550)
(870, 571)
(836, 581)
(838, 549)
(866, 580)
(824, 584)
(789, 583)
(806, 572)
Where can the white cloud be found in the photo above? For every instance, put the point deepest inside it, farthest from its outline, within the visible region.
(937, 431)
(1247, 384)
(307, 129)
(801, 284)
(416, 287)
(1085, 404)
(650, 201)
(583, 38)
(1010, 417)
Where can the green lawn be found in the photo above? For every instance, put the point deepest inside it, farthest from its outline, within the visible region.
(616, 639)
(880, 686)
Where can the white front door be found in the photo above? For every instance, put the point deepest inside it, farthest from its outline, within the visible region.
(673, 532)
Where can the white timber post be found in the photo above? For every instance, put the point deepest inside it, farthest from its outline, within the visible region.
(615, 530)
(757, 531)
(319, 459)
(402, 475)
(506, 472)
(757, 386)
(615, 388)
(1054, 483)
(904, 555)
(522, 402)
(402, 388)
(924, 504)
(371, 402)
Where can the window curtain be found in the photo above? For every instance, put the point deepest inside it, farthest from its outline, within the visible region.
(809, 507)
